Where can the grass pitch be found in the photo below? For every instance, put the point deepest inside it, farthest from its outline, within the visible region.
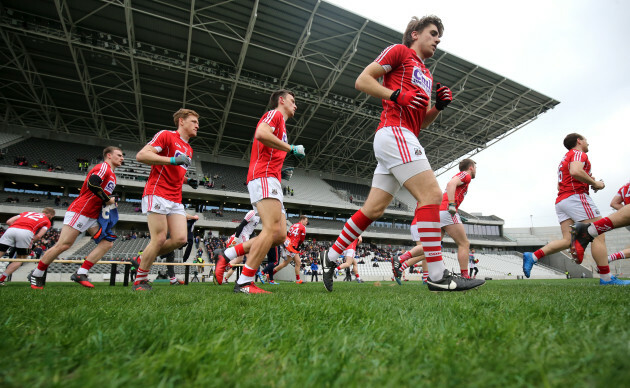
(559, 333)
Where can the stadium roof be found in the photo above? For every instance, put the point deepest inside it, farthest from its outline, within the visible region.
(118, 69)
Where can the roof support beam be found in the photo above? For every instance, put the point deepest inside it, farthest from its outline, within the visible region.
(190, 30)
(298, 49)
(63, 10)
(330, 81)
(135, 72)
(38, 90)
(239, 67)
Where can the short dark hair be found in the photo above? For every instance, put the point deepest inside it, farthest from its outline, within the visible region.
(465, 164)
(109, 150)
(571, 139)
(420, 24)
(275, 97)
(303, 218)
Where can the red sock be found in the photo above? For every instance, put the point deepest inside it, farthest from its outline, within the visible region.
(603, 269)
(297, 277)
(405, 256)
(240, 251)
(141, 275)
(539, 254)
(87, 265)
(338, 268)
(351, 231)
(425, 276)
(616, 256)
(404, 266)
(430, 235)
(464, 273)
(2, 278)
(357, 276)
(42, 266)
(249, 272)
(275, 271)
(603, 225)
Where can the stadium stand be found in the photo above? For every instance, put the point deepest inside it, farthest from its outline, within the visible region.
(55, 153)
(231, 178)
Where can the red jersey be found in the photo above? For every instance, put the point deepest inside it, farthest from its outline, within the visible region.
(567, 185)
(624, 192)
(297, 233)
(88, 204)
(166, 181)
(266, 161)
(460, 191)
(32, 221)
(404, 70)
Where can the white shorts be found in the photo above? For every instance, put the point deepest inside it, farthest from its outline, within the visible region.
(447, 219)
(578, 207)
(400, 157)
(261, 188)
(79, 221)
(348, 252)
(17, 238)
(159, 205)
(415, 236)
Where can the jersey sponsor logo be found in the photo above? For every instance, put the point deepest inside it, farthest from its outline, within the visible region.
(284, 137)
(156, 206)
(274, 192)
(417, 151)
(109, 188)
(418, 78)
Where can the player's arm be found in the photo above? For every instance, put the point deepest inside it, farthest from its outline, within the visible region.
(264, 134)
(239, 228)
(191, 217)
(11, 220)
(576, 169)
(367, 82)
(149, 155)
(451, 186)
(40, 233)
(617, 202)
(94, 184)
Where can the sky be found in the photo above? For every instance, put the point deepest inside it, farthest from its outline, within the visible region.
(574, 51)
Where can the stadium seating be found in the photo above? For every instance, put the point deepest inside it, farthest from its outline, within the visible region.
(233, 177)
(57, 153)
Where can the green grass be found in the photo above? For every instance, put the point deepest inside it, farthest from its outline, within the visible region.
(560, 333)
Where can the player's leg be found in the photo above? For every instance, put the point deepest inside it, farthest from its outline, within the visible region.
(624, 254)
(81, 276)
(230, 266)
(585, 232)
(177, 232)
(531, 258)
(274, 232)
(67, 237)
(599, 252)
(158, 229)
(298, 266)
(12, 267)
(355, 269)
(346, 263)
(458, 234)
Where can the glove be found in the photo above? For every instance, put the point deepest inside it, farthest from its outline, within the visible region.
(443, 97)
(412, 98)
(452, 209)
(287, 173)
(181, 159)
(298, 151)
(193, 183)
